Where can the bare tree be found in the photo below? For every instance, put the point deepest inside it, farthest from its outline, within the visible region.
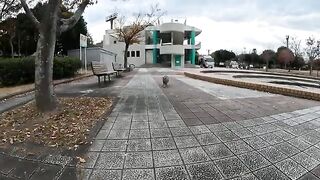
(295, 46)
(312, 50)
(51, 25)
(267, 56)
(130, 33)
(8, 7)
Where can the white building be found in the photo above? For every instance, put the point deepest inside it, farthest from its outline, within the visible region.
(170, 44)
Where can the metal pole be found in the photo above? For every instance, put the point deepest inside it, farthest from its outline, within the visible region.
(80, 56)
(287, 38)
(85, 60)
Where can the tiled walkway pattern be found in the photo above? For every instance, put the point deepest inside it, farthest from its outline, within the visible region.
(146, 138)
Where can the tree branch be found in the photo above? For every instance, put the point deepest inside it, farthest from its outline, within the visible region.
(30, 14)
(72, 21)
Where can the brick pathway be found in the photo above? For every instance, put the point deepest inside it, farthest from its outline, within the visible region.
(184, 133)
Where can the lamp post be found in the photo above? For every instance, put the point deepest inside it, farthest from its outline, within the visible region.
(287, 38)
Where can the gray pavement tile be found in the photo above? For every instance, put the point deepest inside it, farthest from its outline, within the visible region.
(110, 160)
(107, 125)
(238, 147)
(232, 125)
(172, 173)
(253, 160)
(171, 116)
(270, 173)
(163, 143)
(312, 137)
(176, 123)
(91, 158)
(249, 176)
(271, 138)
(316, 171)
(139, 174)
(49, 172)
(247, 123)
(313, 152)
(309, 176)
(217, 151)
(102, 134)
(115, 145)
(97, 145)
(121, 125)
(202, 129)
(124, 118)
(139, 145)
(57, 159)
(207, 139)
(204, 171)
(217, 127)
(256, 142)
(155, 133)
(186, 141)
(106, 174)
(284, 135)
(139, 133)
(226, 136)
(140, 118)
(231, 167)
(139, 125)
(181, 131)
(118, 134)
(243, 132)
(139, 160)
(158, 124)
(193, 155)
(299, 143)
(272, 154)
(167, 158)
(291, 168)
(305, 161)
(287, 149)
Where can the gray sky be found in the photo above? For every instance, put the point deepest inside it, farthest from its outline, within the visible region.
(238, 25)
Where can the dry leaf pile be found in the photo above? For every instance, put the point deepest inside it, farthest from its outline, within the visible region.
(69, 126)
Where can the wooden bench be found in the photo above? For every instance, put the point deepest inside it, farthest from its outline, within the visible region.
(99, 70)
(117, 67)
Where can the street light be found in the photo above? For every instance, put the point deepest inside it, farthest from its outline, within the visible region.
(287, 38)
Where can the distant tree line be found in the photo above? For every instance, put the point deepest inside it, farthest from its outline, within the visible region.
(292, 57)
(19, 37)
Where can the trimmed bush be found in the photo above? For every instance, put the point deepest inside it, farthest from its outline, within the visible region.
(21, 70)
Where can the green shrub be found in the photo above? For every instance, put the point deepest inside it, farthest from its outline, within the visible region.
(21, 70)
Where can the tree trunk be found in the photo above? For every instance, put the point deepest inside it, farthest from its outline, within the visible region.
(125, 63)
(311, 66)
(11, 45)
(44, 93)
(267, 67)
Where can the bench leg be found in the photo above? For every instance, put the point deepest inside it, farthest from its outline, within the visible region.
(99, 80)
(104, 77)
(109, 78)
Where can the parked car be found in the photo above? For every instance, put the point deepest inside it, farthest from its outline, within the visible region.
(209, 61)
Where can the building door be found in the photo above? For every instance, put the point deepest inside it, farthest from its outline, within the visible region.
(177, 61)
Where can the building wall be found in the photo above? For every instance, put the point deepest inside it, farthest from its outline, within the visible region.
(94, 54)
(149, 56)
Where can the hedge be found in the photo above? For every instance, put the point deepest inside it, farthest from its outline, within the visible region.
(21, 70)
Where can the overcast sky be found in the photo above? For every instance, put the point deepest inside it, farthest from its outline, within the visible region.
(237, 25)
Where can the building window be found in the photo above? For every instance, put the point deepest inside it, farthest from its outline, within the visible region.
(137, 53)
(128, 53)
(133, 54)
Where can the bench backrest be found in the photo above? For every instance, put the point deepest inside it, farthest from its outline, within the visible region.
(116, 66)
(98, 67)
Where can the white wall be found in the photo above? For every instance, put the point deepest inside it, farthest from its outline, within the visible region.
(149, 56)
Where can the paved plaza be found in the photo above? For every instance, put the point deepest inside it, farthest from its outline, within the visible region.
(199, 130)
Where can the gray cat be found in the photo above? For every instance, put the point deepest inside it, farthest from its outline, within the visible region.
(165, 81)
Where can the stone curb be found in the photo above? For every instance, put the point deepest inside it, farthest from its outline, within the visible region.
(54, 83)
(258, 87)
